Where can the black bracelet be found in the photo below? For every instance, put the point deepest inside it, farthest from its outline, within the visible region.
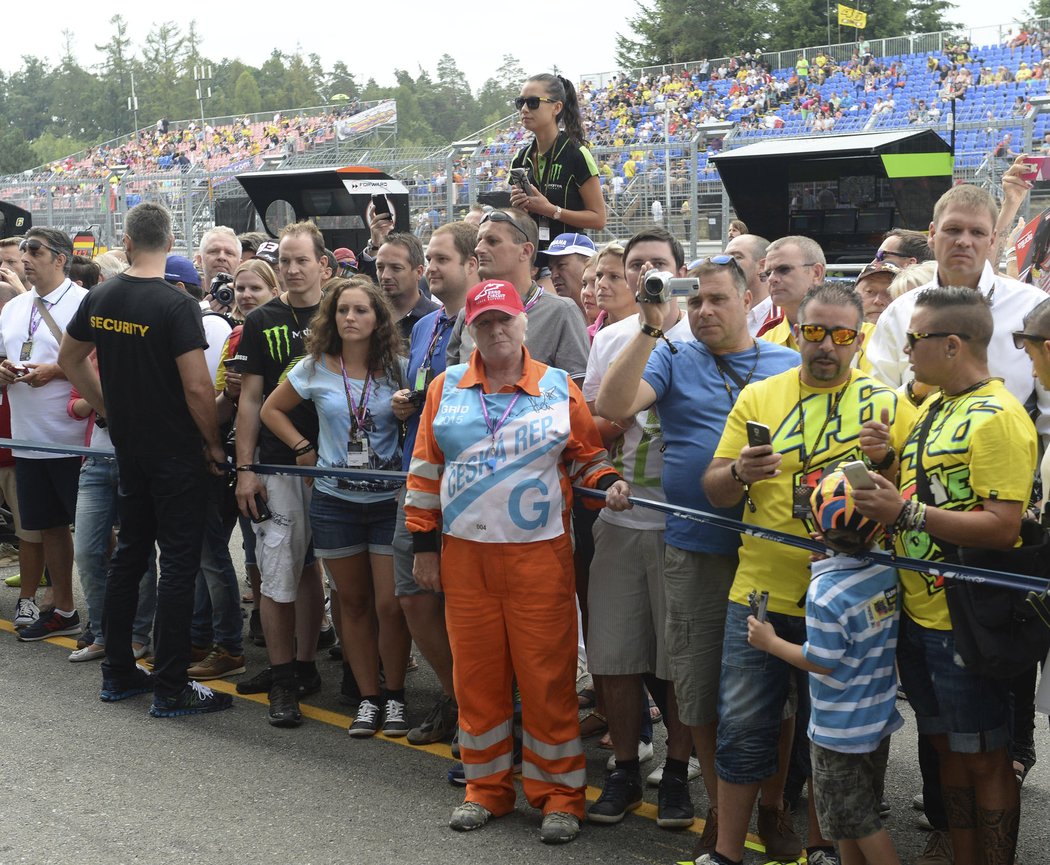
(303, 450)
(245, 468)
(885, 462)
(747, 487)
(654, 332)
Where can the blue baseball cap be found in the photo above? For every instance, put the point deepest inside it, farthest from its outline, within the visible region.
(178, 268)
(572, 244)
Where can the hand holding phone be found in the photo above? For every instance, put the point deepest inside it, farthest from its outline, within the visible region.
(857, 475)
(757, 434)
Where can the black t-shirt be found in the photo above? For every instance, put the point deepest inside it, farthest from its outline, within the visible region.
(558, 174)
(273, 340)
(139, 327)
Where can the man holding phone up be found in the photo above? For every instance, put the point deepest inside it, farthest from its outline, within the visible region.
(818, 414)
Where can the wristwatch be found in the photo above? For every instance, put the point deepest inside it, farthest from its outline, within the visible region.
(884, 463)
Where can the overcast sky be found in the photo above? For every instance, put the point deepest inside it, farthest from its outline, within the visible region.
(575, 36)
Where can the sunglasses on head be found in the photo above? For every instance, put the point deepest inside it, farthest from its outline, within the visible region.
(1020, 336)
(33, 245)
(500, 216)
(817, 332)
(723, 261)
(916, 336)
(533, 102)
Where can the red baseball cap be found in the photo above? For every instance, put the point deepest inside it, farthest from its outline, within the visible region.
(493, 294)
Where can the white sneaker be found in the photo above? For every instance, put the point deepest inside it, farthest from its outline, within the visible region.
(657, 775)
(645, 754)
(26, 612)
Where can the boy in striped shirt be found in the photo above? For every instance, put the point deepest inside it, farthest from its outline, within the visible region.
(852, 618)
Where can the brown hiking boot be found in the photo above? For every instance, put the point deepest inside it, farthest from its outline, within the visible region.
(777, 833)
(217, 664)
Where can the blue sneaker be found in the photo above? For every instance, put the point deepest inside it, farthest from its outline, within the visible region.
(116, 689)
(194, 699)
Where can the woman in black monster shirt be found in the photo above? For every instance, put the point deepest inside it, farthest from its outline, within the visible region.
(564, 193)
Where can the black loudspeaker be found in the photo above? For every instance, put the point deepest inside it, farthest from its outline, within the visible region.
(237, 213)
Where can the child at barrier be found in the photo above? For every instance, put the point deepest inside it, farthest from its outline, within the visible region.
(852, 619)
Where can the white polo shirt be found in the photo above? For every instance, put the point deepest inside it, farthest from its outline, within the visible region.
(1010, 302)
(39, 413)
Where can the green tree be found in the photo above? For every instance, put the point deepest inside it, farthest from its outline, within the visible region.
(678, 31)
(115, 70)
(50, 147)
(928, 16)
(15, 153)
(162, 71)
(496, 96)
(246, 95)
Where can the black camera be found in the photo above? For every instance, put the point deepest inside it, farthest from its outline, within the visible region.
(417, 397)
(222, 289)
(659, 286)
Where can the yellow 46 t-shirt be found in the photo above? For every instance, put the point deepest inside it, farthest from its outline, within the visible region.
(781, 570)
(981, 445)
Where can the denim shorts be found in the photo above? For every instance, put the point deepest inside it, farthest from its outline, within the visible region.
(973, 711)
(753, 689)
(342, 528)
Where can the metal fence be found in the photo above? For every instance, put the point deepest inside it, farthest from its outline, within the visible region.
(917, 43)
(670, 188)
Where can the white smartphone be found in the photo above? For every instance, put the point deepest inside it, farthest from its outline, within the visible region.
(857, 475)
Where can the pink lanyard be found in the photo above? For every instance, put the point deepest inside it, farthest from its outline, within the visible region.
(357, 416)
(532, 300)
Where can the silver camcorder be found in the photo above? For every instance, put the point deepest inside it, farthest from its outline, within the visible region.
(659, 286)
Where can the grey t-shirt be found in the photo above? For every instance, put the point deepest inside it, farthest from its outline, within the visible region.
(557, 336)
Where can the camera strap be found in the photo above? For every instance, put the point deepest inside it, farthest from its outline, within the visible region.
(49, 320)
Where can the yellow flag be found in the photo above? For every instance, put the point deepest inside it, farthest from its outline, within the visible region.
(852, 17)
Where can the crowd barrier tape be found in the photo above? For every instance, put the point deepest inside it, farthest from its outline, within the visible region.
(945, 570)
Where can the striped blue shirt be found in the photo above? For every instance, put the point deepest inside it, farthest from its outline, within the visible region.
(852, 619)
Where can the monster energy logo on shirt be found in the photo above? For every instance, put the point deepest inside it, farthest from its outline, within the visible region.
(279, 341)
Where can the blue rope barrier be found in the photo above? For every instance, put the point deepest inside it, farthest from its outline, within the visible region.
(946, 570)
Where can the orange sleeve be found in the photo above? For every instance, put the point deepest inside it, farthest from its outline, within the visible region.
(586, 461)
(423, 499)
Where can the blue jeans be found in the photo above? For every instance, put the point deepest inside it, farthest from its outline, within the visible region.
(96, 516)
(971, 710)
(159, 502)
(217, 602)
(752, 691)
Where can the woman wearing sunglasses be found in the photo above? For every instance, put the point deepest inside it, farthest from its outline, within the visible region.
(563, 193)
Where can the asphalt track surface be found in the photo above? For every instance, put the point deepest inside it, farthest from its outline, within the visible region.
(91, 783)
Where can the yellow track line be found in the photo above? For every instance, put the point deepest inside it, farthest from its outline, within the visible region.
(338, 719)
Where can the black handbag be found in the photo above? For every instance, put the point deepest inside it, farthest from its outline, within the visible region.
(998, 632)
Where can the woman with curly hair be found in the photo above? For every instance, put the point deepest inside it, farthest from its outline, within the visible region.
(353, 367)
(563, 192)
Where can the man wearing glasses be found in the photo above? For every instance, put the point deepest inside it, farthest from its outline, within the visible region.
(687, 394)
(902, 248)
(31, 326)
(819, 413)
(794, 265)
(557, 333)
(961, 236)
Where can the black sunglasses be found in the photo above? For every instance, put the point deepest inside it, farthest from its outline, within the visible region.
(914, 337)
(500, 216)
(34, 246)
(1020, 336)
(532, 101)
(817, 332)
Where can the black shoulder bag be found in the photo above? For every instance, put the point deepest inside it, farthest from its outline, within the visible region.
(998, 632)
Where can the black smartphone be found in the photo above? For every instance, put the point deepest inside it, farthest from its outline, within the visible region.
(520, 177)
(262, 509)
(381, 205)
(757, 434)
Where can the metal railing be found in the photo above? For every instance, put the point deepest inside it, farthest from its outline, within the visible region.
(918, 43)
